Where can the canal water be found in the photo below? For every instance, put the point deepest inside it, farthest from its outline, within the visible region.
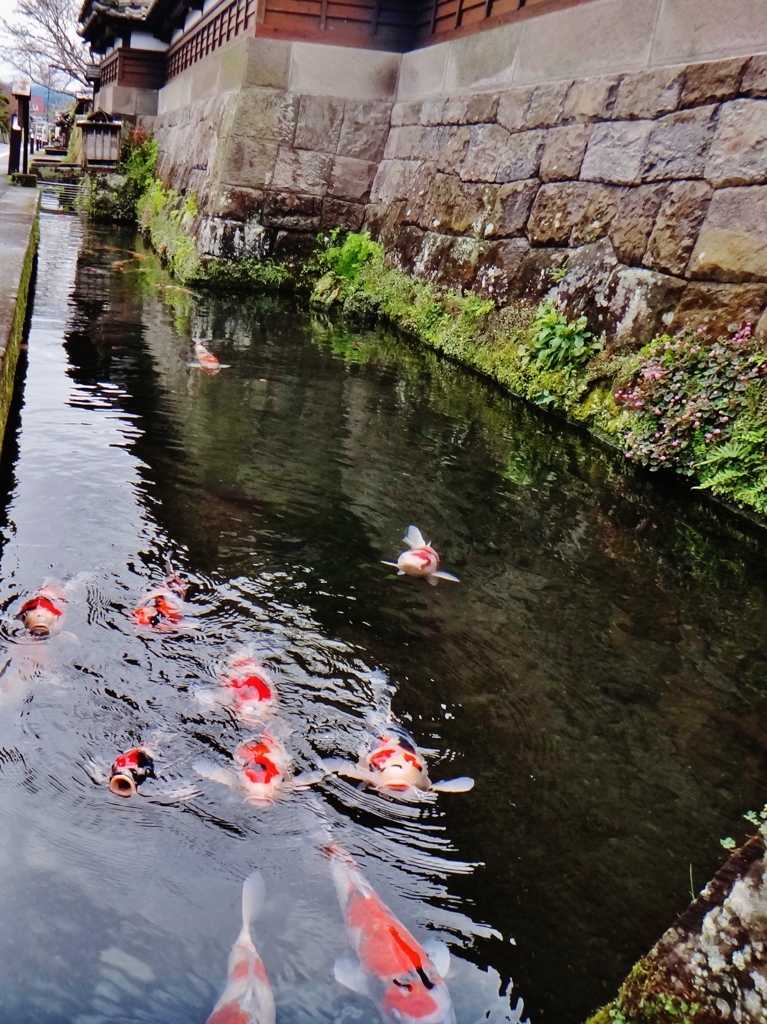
(599, 670)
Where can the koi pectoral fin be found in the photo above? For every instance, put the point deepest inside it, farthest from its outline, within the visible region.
(336, 766)
(439, 955)
(392, 564)
(433, 581)
(460, 785)
(440, 575)
(349, 974)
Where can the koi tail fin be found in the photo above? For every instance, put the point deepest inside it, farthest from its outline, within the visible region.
(461, 785)
(253, 894)
(414, 538)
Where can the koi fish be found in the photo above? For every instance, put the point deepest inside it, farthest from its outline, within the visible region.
(162, 607)
(394, 765)
(263, 773)
(247, 998)
(205, 360)
(129, 770)
(393, 968)
(420, 559)
(246, 687)
(43, 615)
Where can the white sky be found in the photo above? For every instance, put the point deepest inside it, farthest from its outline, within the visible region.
(7, 71)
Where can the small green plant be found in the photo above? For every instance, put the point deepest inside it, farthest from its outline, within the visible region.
(556, 342)
(559, 273)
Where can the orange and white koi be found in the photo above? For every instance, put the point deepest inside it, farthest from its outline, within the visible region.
(43, 615)
(420, 559)
(404, 977)
(246, 687)
(162, 607)
(263, 773)
(247, 998)
(205, 360)
(394, 765)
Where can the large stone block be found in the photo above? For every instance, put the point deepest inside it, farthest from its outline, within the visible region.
(418, 191)
(393, 181)
(755, 76)
(615, 152)
(292, 212)
(319, 123)
(498, 267)
(455, 144)
(249, 162)
(546, 105)
(511, 210)
(719, 306)
(488, 145)
(557, 208)
(455, 207)
(236, 203)
(739, 151)
(406, 112)
(351, 179)
(364, 129)
(598, 213)
(679, 221)
(732, 245)
(512, 107)
(266, 114)
(535, 275)
(300, 170)
(631, 227)
(404, 143)
(679, 144)
(712, 82)
(522, 156)
(636, 305)
(590, 99)
(267, 62)
(294, 244)
(481, 108)
(563, 152)
(582, 290)
(649, 93)
(339, 214)
(427, 261)
(459, 264)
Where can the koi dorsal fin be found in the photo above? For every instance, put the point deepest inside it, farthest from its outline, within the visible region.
(414, 538)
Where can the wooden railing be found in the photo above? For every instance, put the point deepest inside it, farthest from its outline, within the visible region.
(459, 17)
(221, 24)
(108, 70)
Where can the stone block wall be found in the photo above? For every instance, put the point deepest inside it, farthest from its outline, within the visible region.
(650, 188)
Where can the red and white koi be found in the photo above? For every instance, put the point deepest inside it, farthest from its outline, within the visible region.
(129, 770)
(205, 360)
(43, 615)
(247, 998)
(162, 608)
(246, 687)
(402, 976)
(263, 773)
(394, 765)
(420, 559)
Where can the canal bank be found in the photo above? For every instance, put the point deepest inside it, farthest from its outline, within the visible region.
(19, 229)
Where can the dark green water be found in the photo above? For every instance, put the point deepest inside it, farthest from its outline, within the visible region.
(600, 669)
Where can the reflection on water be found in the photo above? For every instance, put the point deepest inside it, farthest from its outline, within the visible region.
(599, 670)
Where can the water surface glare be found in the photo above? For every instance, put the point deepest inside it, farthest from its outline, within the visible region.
(599, 670)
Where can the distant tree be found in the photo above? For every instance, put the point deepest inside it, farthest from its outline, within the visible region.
(43, 43)
(5, 120)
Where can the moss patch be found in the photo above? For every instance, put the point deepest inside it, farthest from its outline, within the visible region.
(11, 356)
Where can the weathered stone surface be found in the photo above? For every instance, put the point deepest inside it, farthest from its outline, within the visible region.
(649, 93)
(488, 144)
(498, 267)
(455, 143)
(319, 123)
(455, 207)
(236, 203)
(719, 306)
(300, 170)
(546, 105)
(522, 157)
(556, 210)
(598, 214)
(292, 212)
(266, 114)
(634, 219)
(385, 222)
(298, 244)
(679, 144)
(351, 179)
(432, 112)
(739, 151)
(460, 261)
(534, 278)
(481, 109)
(712, 82)
(250, 162)
(427, 261)
(755, 76)
(511, 209)
(408, 112)
(563, 152)
(615, 153)
(679, 220)
(732, 245)
(590, 99)
(339, 214)
(364, 129)
(405, 143)
(636, 302)
(393, 180)
(418, 191)
(582, 290)
(512, 107)
(233, 239)
(405, 248)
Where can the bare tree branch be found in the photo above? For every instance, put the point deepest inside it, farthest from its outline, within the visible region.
(43, 41)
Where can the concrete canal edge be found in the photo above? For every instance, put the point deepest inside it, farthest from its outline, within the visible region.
(19, 224)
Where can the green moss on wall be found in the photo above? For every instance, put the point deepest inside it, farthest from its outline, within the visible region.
(11, 355)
